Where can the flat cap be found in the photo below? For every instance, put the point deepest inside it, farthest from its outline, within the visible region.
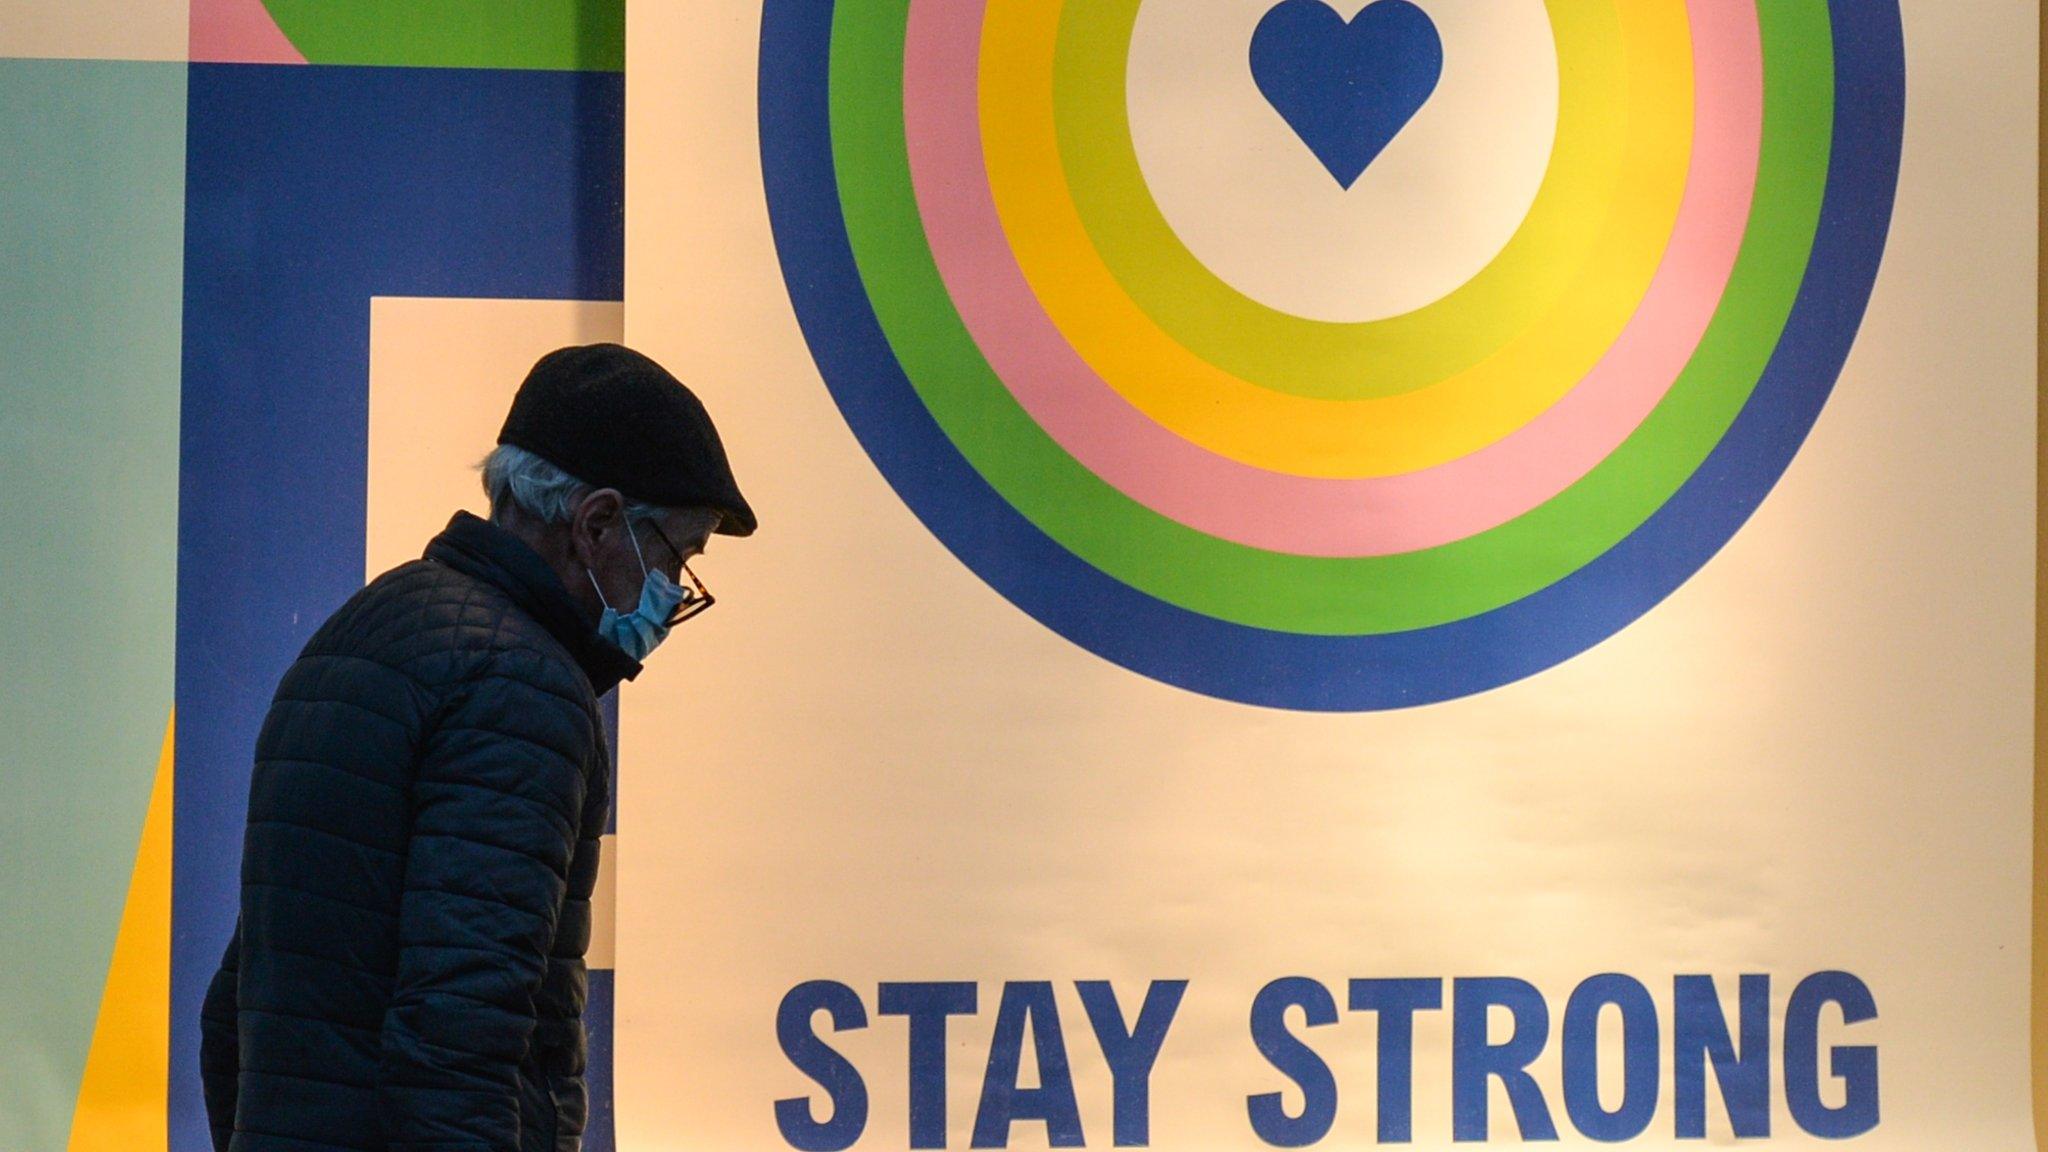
(614, 418)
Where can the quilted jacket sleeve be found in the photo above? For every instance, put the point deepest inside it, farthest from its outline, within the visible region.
(219, 1046)
(496, 807)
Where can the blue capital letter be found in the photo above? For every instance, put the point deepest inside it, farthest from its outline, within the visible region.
(1297, 1061)
(1700, 1035)
(1855, 1066)
(1638, 1057)
(1397, 1002)
(927, 1005)
(814, 1058)
(1131, 1053)
(1473, 1060)
(1002, 1101)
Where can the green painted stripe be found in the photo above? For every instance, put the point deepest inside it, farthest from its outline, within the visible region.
(92, 215)
(554, 35)
(1316, 595)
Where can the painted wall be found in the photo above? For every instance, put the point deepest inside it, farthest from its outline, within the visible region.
(267, 267)
(1106, 625)
(91, 243)
(202, 202)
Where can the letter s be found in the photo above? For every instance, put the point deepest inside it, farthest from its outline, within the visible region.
(1296, 1060)
(814, 1058)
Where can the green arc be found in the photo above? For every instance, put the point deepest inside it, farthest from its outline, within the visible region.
(541, 35)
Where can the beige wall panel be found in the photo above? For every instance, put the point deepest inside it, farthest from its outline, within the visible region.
(442, 375)
(95, 29)
(865, 765)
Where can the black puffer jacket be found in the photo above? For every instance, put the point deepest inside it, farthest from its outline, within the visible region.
(429, 789)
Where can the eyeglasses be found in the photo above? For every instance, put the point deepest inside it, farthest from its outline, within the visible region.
(695, 598)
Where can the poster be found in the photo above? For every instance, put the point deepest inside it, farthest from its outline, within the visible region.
(1339, 575)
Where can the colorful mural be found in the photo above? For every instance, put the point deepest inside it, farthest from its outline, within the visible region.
(1318, 557)
(1068, 452)
(192, 237)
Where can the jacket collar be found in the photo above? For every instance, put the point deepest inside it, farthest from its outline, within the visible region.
(478, 548)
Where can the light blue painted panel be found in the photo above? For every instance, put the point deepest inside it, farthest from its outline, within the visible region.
(92, 163)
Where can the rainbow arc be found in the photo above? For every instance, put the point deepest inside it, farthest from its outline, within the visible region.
(1295, 512)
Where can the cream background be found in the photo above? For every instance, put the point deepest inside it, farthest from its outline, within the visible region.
(95, 29)
(442, 374)
(866, 766)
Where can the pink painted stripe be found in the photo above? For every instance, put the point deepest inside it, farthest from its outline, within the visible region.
(1314, 516)
(239, 32)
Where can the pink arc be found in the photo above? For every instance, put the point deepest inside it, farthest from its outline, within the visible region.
(1313, 516)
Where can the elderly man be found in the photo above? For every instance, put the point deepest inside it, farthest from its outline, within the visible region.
(431, 782)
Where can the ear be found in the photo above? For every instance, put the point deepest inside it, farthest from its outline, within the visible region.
(597, 517)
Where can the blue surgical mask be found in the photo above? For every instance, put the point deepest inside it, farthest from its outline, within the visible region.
(638, 631)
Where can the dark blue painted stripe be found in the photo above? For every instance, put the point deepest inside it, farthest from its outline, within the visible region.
(309, 190)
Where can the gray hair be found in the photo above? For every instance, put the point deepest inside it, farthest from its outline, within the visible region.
(514, 476)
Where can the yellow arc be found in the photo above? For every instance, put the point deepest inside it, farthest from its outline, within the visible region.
(1625, 95)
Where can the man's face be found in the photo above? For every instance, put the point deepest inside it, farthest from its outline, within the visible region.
(677, 537)
(663, 545)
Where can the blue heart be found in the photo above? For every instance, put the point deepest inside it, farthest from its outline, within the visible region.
(1347, 89)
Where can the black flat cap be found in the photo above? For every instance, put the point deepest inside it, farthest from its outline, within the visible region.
(611, 417)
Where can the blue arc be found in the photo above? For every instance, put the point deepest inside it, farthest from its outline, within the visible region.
(1326, 673)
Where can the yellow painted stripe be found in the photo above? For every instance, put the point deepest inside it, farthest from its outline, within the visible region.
(121, 1102)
